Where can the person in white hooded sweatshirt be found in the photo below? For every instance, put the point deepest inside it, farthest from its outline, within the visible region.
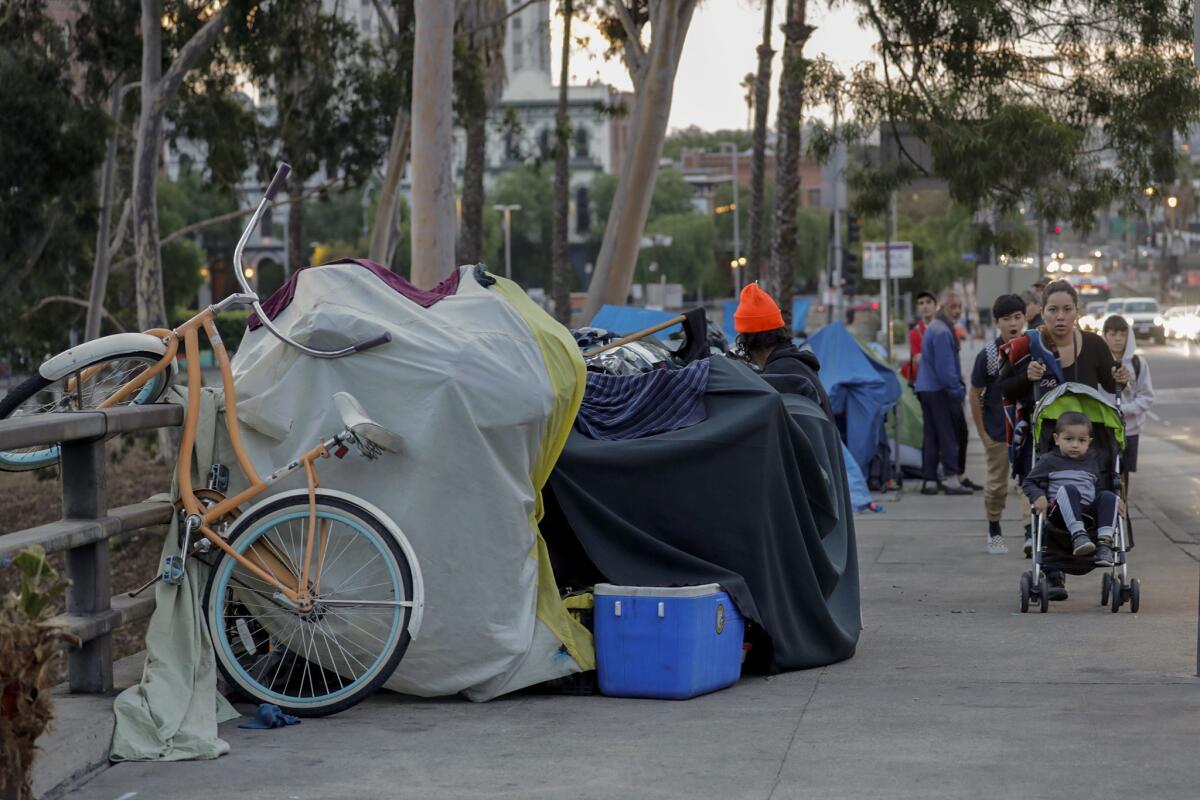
(1136, 396)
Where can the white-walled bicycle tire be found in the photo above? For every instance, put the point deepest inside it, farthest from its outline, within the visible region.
(41, 395)
(332, 658)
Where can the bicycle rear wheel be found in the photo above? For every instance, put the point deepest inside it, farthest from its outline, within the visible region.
(39, 395)
(326, 660)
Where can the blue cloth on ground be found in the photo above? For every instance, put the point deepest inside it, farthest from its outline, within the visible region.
(617, 407)
(269, 716)
(860, 495)
(861, 389)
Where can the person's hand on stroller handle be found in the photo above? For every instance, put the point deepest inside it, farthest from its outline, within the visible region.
(1036, 370)
(1041, 505)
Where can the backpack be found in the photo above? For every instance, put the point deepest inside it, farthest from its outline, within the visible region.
(1137, 367)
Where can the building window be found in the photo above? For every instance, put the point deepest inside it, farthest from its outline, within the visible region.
(516, 24)
(583, 144)
(518, 56)
(545, 146)
(814, 197)
(583, 221)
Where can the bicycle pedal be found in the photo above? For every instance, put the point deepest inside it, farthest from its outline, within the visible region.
(218, 477)
(172, 571)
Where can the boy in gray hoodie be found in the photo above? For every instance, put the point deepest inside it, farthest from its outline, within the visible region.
(1062, 484)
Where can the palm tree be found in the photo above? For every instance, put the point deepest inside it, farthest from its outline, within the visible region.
(757, 252)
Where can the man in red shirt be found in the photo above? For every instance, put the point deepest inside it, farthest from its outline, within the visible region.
(926, 310)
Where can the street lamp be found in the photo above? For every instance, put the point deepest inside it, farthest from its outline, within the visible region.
(507, 209)
(1172, 201)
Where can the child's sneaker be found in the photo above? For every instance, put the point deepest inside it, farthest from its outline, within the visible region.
(1104, 553)
(996, 546)
(1082, 544)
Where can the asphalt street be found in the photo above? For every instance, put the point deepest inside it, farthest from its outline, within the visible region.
(1168, 474)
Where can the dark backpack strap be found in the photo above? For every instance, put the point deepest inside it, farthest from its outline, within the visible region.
(1137, 367)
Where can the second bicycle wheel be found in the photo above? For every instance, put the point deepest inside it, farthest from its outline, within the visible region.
(37, 395)
(325, 660)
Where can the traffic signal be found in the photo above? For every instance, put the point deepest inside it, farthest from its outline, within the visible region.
(1052, 226)
(851, 272)
(853, 226)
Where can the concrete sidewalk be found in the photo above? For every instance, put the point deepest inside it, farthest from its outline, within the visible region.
(952, 694)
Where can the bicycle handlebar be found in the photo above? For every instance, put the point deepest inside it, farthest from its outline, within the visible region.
(276, 183)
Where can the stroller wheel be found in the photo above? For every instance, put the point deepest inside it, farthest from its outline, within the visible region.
(1105, 588)
(1135, 595)
(1118, 591)
(1043, 593)
(1025, 584)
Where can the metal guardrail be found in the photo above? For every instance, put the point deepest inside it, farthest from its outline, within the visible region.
(87, 524)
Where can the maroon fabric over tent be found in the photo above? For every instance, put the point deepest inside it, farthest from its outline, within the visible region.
(282, 298)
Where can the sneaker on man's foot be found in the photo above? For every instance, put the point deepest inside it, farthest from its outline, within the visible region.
(955, 488)
(1082, 544)
(1029, 545)
(1104, 554)
(970, 484)
(930, 488)
(996, 546)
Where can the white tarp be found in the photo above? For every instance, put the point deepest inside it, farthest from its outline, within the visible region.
(466, 387)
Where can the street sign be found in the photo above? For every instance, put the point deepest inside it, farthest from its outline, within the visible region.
(875, 260)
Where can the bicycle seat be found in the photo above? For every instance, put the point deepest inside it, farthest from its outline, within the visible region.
(362, 426)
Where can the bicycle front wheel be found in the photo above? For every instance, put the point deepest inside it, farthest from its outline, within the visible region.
(328, 659)
(104, 376)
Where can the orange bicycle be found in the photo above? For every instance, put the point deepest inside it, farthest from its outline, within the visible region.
(313, 594)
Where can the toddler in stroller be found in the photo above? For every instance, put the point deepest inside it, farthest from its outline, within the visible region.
(1074, 488)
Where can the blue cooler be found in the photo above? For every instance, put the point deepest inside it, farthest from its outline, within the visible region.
(669, 643)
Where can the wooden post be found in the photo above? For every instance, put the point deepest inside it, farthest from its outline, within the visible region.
(85, 496)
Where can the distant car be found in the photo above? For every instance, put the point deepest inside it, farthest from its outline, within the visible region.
(1182, 323)
(1093, 318)
(1144, 318)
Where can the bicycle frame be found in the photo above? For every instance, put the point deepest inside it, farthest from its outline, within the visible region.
(267, 566)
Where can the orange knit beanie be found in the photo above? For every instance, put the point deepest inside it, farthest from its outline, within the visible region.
(756, 312)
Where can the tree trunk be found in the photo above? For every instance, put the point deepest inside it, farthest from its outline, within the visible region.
(560, 258)
(151, 307)
(158, 89)
(757, 266)
(299, 254)
(787, 182)
(383, 232)
(653, 84)
(432, 129)
(103, 259)
(472, 190)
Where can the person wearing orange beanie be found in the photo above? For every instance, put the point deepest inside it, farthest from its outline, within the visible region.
(764, 341)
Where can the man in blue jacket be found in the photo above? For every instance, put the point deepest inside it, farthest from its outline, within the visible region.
(941, 390)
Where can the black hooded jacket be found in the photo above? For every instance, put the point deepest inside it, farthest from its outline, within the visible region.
(790, 369)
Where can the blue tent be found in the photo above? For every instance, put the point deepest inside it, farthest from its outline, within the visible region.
(631, 319)
(859, 387)
(800, 306)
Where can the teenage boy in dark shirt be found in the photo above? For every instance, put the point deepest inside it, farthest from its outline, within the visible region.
(987, 408)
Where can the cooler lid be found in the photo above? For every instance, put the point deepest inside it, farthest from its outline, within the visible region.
(705, 590)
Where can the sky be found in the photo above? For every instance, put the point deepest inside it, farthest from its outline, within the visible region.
(718, 52)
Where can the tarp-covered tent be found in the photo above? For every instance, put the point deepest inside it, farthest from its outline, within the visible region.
(753, 498)
(482, 387)
(631, 319)
(860, 387)
(800, 306)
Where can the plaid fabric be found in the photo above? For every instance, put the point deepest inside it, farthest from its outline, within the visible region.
(619, 407)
